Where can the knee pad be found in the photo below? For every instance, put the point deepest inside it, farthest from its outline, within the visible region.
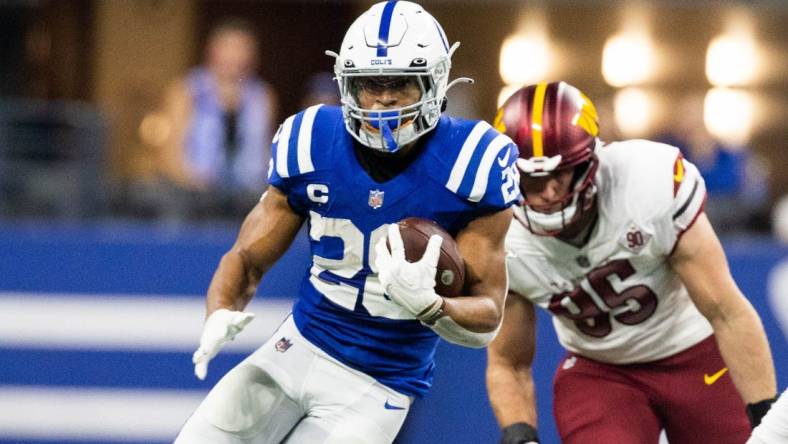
(242, 401)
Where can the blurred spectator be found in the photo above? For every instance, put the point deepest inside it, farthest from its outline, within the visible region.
(735, 179)
(321, 88)
(219, 117)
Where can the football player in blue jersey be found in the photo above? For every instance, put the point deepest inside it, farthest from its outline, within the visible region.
(359, 346)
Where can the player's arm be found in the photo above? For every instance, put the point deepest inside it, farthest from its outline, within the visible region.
(701, 263)
(510, 385)
(481, 244)
(471, 320)
(265, 235)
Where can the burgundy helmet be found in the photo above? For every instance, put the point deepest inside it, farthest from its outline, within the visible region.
(555, 127)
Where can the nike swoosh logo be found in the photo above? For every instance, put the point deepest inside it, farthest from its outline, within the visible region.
(709, 380)
(388, 406)
(502, 161)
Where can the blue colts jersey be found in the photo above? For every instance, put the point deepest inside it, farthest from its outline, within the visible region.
(465, 170)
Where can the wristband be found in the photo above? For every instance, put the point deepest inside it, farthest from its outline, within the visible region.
(431, 318)
(448, 329)
(757, 410)
(519, 433)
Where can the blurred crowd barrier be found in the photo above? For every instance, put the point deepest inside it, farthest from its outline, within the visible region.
(98, 324)
(51, 159)
(54, 163)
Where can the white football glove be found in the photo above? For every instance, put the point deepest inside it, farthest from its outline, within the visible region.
(220, 327)
(411, 285)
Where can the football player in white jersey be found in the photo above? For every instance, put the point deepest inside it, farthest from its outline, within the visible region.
(612, 240)
(359, 346)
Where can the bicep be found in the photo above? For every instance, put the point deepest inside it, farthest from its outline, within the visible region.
(268, 230)
(481, 244)
(515, 344)
(700, 262)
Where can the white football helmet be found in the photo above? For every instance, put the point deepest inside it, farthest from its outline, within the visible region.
(394, 38)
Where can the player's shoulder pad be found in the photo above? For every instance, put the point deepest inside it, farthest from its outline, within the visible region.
(637, 155)
(482, 161)
(293, 147)
(639, 168)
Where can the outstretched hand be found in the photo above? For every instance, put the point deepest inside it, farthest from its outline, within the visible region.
(220, 327)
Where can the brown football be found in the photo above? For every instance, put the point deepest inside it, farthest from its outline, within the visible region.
(450, 276)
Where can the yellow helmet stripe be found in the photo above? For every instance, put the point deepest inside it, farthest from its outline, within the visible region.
(536, 119)
(588, 118)
(498, 122)
(678, 170)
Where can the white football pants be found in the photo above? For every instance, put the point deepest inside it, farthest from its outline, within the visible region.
(290, 391)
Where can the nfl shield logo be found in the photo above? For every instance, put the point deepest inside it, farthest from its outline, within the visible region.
(282, 345)
(375, 199)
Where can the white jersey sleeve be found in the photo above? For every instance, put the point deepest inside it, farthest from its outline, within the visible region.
(660, 188)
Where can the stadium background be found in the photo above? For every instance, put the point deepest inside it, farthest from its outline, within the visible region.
(100, 310)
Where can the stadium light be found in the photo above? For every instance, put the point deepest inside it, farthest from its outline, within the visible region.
(731, 60)
(729, 114)
(633, 111)
(628, 59)
(525, 58)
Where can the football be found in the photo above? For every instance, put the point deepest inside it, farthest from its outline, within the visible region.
(450, 275)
